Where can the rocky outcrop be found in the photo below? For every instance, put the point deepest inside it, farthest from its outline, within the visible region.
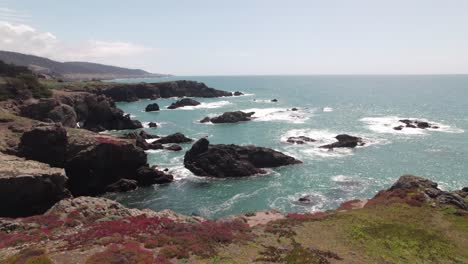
(96, 113)
(50, 110)
(229, 117)
(237, 93)
(45, 143)
(29, 187)
(91, 170)
(152, 125)
(148, 176)
(182, 103)
(300, 140)
(152, 107)
(174, 147)
(345, 141)
(414, 124)
(133, 92)
(175, 138)
(417, 190)
(204, 159)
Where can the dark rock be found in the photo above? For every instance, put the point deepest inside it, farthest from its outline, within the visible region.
(205, 120)
(300, 140)
(29, 187)
(63, 114)
(345, 141)
(148, 176)
(416, 124)
(174, 138)
(231, 117)
(152, 125)
(133, 92)
(305, 199)
(140, 140)
(47, 144)
(204, 159)
(152, 107)
(412, 182)
(94, 168)
(182, 103)
(237, 93)
(122, 185)
(174, 147)
(274, 100)
(398, 128)
(294, 109)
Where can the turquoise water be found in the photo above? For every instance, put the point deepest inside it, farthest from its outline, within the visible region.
(365, 106)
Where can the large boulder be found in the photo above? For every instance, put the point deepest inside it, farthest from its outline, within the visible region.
(345, 141)
(230, 117)
(152, 107)
(29, 187)
(183, 102)
(221, 160)
(63, 114)
(91, 170)
(46, 143)
(175, 138)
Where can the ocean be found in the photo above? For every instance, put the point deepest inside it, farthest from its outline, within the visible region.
(364, 106)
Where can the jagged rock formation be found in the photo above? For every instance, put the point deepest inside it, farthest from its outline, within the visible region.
(175, 138)
(204, 159)
(29, 187)
(345, 141)
(182, 103)
(152, 107)
(229, 117)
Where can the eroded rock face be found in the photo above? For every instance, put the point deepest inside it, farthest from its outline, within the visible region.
(152, 107)
(229, 117)
(345, 141)
(175, 138)
(204, 159)
(29, 187)
(183, 102)
(96, 167)
(45, 143)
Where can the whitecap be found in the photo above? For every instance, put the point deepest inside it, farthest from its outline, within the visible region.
(327, 109)
(385, 124)
(279, 114)
(323, 137)
(211, 105)
(151, 140)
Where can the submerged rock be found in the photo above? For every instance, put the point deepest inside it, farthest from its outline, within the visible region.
(229, 117)
(152, 107)
(300, 140)
(182, 103)
(29, 187)
(222, 160)
(237, 93)
(414, 124)
(174, 138)
(152, 125)
(274, 100)
(174, 147)
(345, 141)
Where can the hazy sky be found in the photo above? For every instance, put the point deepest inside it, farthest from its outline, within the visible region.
(215, 37)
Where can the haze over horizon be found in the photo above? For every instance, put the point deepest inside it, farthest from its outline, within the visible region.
(245, 37)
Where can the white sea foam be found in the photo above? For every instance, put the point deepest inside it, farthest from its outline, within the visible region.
(327, 109)
(385, 124)
(280, 114)
(211, 105)
(317, 202)
(323, 137)
(151, 140)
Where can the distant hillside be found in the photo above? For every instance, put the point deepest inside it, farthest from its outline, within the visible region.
(72, 70)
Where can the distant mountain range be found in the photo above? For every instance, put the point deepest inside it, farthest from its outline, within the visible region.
(73, 70)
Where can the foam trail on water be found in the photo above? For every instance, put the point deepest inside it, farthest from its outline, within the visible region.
(211, 105)
(327, 109)
(279, 114)
(385, 124)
